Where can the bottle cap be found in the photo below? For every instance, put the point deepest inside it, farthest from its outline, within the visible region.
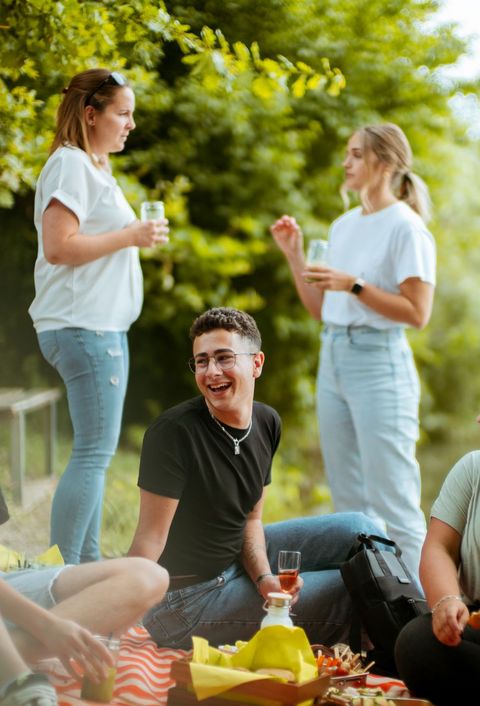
(279, 599)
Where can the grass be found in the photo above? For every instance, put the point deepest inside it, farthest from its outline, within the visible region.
(285, 498)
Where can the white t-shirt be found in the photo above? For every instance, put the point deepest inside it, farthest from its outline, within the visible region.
(107, 293)
(458, 505)
(384, 248)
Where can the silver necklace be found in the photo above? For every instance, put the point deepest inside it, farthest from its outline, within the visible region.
(236, 442)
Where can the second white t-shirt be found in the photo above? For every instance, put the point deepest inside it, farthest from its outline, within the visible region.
(458, 505)
(384, 248)
(107, 293)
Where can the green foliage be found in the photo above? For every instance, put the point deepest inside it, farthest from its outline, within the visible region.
(44, 42)
(243, 110)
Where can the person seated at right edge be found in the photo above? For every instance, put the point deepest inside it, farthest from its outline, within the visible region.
(204, 467)
(438, 654)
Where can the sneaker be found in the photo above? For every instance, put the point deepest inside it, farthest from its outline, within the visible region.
(32, 690)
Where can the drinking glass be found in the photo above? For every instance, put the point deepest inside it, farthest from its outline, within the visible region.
(317, 252)
(288, 568)
(102, 692)
(152, 210)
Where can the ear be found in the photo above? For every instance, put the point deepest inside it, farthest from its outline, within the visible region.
(90, 114)
(258, 362)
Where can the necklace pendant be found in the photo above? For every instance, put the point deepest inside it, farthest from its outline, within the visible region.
(237, 448)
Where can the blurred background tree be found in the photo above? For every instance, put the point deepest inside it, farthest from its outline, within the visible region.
(235, 127)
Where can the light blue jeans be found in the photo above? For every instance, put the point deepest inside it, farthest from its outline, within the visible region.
(94, 368)
(228, 607)
(367, 403)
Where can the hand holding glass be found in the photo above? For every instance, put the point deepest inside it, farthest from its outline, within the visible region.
(288, 569)
(102, 691)
(317, 252)
(152, 210)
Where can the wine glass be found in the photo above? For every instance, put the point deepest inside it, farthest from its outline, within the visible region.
(288, 568)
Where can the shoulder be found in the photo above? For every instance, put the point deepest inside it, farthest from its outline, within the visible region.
(347, 218)
(267, 416)
(460, 486)
(181, 416)
(466, 472)
(66, 160)
(68, 154)
(405, 218)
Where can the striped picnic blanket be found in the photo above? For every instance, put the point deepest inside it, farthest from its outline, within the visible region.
(143, 674)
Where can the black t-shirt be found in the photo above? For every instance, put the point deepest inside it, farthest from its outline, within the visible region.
(186, 456)
(3, 509)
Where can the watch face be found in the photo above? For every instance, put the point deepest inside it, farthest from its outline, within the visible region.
(357, 288)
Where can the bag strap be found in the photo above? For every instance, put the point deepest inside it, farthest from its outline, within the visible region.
(370, 539)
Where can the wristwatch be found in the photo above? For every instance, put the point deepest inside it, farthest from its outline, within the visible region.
(357, 286)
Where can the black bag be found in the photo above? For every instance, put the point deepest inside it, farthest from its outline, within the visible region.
(383, 593)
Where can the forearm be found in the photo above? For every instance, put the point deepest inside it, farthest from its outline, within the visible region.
(395, 307)
(78, 249)
(254, 551)
(311, 297)
(438, 575)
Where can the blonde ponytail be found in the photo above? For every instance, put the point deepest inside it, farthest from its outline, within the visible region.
(413, 190)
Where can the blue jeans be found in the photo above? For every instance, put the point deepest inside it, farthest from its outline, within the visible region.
(367, 403)
(94, 368)
(228, 607)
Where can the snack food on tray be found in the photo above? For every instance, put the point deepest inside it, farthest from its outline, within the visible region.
(356, 697)
(339, 661)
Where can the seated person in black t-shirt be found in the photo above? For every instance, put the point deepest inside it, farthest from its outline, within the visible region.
(204, 467)
(54, 612)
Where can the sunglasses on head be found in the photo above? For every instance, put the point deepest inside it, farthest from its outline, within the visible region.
(114, 79)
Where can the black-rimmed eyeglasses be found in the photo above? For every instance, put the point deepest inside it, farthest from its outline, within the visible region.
(114, 79)
(223, 361)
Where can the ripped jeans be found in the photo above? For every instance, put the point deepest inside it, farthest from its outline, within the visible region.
(94, 368)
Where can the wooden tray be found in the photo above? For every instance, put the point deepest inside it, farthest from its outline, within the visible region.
(267, 689)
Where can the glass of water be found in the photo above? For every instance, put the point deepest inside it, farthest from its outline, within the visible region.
(317, 252)
(152, 210)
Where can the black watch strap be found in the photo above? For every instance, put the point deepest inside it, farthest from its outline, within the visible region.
(357, 286)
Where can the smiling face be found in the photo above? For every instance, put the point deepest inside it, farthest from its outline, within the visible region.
(228, 393)
(108, 130)
(363, 169)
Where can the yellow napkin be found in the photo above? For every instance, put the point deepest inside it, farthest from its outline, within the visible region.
(10, 560)
(276, 646)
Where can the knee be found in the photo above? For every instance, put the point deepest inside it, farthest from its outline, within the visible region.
(415, 641)
(150, 580)
(355, 523)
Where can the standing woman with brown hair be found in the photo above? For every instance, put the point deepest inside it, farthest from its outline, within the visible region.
(88, 291)
(379, 279)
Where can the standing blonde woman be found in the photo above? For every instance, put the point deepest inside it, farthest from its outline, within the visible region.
(379, 279)
(88, 290)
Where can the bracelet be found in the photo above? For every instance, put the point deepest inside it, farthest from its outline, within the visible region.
(261, 577)
(450, 597)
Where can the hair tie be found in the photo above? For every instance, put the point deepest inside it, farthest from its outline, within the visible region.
(65, 90)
